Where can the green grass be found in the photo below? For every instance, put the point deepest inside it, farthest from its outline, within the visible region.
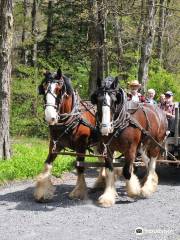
(28, 159)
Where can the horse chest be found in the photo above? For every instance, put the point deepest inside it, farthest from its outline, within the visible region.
(62, 136)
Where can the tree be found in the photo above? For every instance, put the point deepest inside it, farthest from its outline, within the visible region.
(49, 29)
(147, 43)
(97, 38)
(92, 35)
(161, 29)
(118, 36)
(6, 37)
(34, 31)
(24, 33)
(140, 26)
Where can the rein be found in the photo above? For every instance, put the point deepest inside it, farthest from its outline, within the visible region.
(120, 121)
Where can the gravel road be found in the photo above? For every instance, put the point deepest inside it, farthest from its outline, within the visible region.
(157, 217)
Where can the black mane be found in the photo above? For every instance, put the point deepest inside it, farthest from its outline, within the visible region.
(107, 82)
(68, 84)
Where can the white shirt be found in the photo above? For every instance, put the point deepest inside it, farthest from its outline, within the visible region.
(135, 98)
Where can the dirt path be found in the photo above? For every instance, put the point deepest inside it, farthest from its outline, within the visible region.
(158, 216)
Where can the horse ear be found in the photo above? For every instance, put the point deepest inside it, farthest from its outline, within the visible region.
(46, 74)
(47, 77)
(119, 96)
(59, 73)
(115, 83)
(94, 98)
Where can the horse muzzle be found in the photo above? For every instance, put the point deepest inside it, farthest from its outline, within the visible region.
(51, 115)
(106, 129)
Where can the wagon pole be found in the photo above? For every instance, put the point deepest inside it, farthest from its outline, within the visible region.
(115, 164)
(121, 164)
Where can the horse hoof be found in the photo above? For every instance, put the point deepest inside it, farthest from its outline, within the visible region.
(44, 194)
(106, 201)
(150, 186)
(133, 187)
(78, 194)
(145, 193)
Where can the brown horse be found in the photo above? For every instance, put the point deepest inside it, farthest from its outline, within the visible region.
(126, 133)
(72, 125)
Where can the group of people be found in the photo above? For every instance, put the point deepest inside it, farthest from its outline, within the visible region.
(165, 102)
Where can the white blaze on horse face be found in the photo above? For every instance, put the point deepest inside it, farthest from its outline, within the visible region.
(106, 117)
(51, 115)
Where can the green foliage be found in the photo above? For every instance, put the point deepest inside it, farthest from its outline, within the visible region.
(69, 47)
(28, 160)
(29, 155)
(159, 79)
(27, 111)
(162, 80)
(26, 106)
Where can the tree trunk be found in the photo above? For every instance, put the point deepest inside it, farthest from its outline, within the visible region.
(147, 43)
(118, 37)
(166, 46)
(105, 45)
(101, 41)
(6, 38)
(97, 39)
(161, 29)
(140, 26)
(24, 53)
(49, 29)
(34, 31)
(92, 38)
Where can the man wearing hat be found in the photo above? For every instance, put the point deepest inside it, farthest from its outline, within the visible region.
(169, 108)
(134, 95)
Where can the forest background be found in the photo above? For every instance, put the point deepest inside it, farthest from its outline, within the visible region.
(89, 40)
(132, 39)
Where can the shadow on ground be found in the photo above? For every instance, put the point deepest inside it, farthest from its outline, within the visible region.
(24, 200)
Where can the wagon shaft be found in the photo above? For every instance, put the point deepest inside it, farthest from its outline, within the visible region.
(121, 164)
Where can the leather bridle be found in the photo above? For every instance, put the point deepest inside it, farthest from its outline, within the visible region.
(59, 97)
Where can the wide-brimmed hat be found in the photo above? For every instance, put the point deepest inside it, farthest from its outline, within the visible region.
(168, 93)
(134, 83)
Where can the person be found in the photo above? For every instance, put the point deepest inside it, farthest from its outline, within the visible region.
(161, 100)
(169, 108)
(134, 94)
(150, 96)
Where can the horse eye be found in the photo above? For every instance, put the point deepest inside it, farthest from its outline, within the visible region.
(58, 88)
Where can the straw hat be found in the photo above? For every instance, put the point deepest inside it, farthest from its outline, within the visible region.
(134, 83)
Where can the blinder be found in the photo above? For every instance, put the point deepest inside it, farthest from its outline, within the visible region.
(52, 78)
(115, 94)
(94, 97)
(47, 78)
